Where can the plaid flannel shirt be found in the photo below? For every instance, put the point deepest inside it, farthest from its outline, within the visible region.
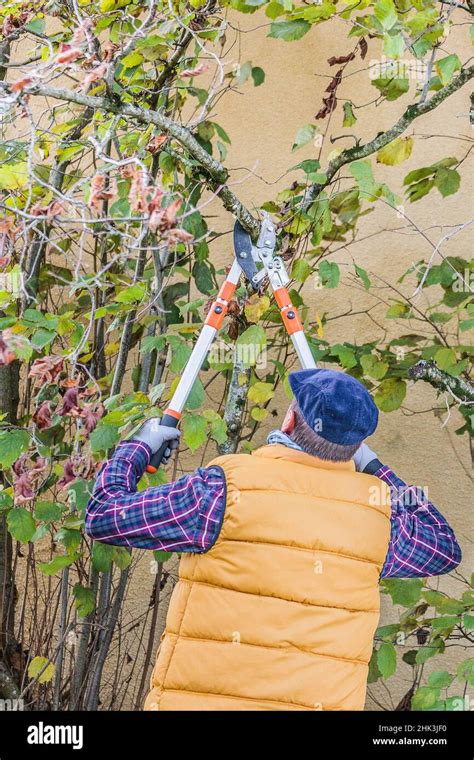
(186, 515)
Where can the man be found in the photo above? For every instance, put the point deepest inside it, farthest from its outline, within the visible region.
(282, 551)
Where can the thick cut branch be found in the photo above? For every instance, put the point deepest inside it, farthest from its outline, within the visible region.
(428, 371)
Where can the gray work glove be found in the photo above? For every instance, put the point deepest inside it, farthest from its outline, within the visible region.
(363, 456)
(154, 434)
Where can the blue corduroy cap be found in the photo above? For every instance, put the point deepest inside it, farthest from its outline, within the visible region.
(336, 406)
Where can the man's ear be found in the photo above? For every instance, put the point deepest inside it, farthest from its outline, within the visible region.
(288, 424)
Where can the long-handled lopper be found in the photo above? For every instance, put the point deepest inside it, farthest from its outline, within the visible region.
(256, 262)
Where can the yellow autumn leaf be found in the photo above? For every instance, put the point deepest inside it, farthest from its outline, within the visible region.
(111, 349)
(320, 330)
(13, 176)
(256, 306)
(258, 414)
(41, 665)
(396, 151)
(260, 392)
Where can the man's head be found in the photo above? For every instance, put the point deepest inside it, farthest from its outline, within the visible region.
(331, 414)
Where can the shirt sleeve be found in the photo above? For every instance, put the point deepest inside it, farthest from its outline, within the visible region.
(421, 541)
(182, 516)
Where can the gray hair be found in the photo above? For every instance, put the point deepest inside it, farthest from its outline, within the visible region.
(314, 444)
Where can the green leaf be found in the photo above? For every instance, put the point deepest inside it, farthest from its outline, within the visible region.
(48, 511)
(161, 556)
(218, 425)
(274, 9)
(440, 316)
(446, 67)
(404, 591)
(440, 679)
(41, 665)
(373, 367)
(465, 670)
(303, 136)
(289, 30)
(132, 60)
(390, 394)
(197, 395)
(445, 621)
(349, 116)
(392, 87)
(258, 76)
(363, 276)
(386, 13)
(410, 657)
(345, 354)
(443, 604)
(468, 621)
(446, 360)
(203, 277)
(104, 437)
(387, 632)
(387, 659)
(447, 181)
(419, 189)
(131, 294)
(41, 338)
(79, 493)
(301, 270)
(122, 557)
(374, 672)
(397, 311)
(194, 430)
(180, 353)
(308, 166)
(244, 72)
(393, 45)
(329, 273)
(85, 600)
(70, 538)
(396, 151)
(426, 653)
(6, 501)
(362, 172)
(251, 344)
(424, 698)
(222, 133)
(56, 564)
(21, 524)
(12, 444)
(102, 556)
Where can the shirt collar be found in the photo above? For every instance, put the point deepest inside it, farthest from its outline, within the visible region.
(280, 442)
(278, 436)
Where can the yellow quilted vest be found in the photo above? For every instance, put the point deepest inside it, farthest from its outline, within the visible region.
(280, 614)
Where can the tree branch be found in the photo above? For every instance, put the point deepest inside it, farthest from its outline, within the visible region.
(383, 138)
(428, 371)
(216, 172)
(234, 412)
